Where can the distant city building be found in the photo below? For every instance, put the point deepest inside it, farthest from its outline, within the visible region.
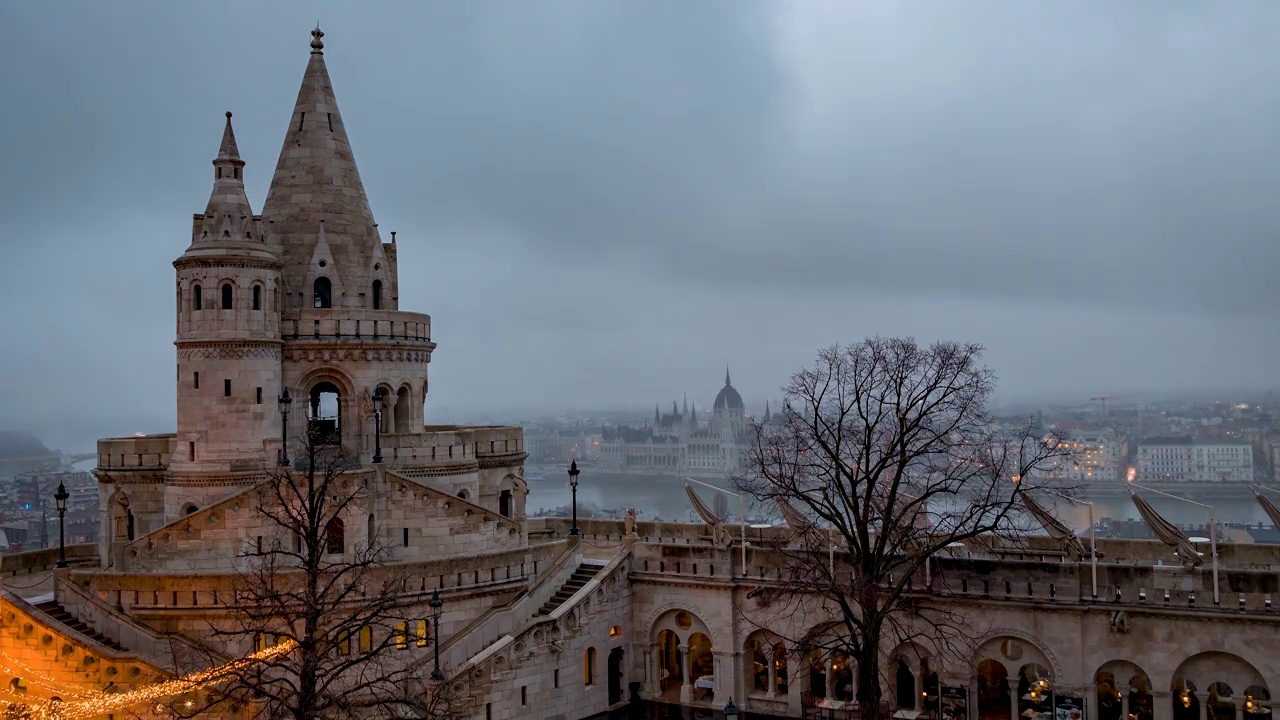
(1183, 459)
(678, 442)
(1094, 456)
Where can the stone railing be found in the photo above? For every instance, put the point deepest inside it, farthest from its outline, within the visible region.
(174, 591)
(173, 652)
(498, 621)
(148, 452)
(34, 561)
(444, 444)
(356, 323)
(619, 565)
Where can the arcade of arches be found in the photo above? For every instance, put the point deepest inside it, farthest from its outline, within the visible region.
(1010, 678)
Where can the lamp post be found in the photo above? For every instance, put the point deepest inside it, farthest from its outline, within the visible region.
(284, 401)
(436, 603)
(377, 425)
(730, 710)
(573, 486)
(60, 497)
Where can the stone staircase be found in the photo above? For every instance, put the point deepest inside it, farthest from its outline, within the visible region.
(580, 577)
(59, 613)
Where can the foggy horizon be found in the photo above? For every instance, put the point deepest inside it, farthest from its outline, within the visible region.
(604, 202)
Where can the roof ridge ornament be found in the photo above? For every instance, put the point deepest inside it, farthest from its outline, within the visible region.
(317, 45)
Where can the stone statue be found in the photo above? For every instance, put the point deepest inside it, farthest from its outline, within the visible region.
(366, 405)
(121, 517)
(629, 522)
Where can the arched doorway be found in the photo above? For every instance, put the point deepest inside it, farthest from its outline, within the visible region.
(1221, 703)
(615, 676)
(504, 503)
(324, 414)
(994, 702)
(1257, 703)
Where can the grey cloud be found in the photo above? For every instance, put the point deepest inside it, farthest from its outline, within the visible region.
(611, 200)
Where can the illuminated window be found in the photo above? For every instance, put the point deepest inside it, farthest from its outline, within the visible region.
(344, 643)
(18, 686)
(366, 639)
(259, 642)
(615, 631)
(422, 633)
(402, 635)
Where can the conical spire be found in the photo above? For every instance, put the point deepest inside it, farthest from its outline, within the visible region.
(766, 411)
(228, 196)
(657, 415)
(726, 376)
(316, 179)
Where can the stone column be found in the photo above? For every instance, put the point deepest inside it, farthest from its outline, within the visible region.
(773, 677)
(650, 677)
(1203, 697)
(1013, 699)
(686, 666)
(919, 686)
(1162, 705)
(1124, 706)
(828, 696)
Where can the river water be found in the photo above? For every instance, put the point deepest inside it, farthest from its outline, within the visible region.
(663, 496)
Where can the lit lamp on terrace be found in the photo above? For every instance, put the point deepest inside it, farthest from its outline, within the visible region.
(60, 497)
(284, 401)
(730, 710)
(573, 486)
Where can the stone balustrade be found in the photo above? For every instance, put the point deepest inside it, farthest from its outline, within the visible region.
(363, 324)
(445, 444)
(152, 591)
(145, 452)
(34, 561)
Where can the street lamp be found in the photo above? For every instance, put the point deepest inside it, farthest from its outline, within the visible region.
(436, 603)
(284, 401)
(377, 425)
(573, 485)
(60, 497)
(730, 710)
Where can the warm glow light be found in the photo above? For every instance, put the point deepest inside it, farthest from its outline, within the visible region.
(97, 704)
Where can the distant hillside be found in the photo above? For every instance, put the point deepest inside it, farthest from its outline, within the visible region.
(20, 444)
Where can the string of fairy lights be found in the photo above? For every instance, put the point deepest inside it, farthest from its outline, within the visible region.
(75, 704)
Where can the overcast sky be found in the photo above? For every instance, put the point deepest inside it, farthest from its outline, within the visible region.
(602, 202)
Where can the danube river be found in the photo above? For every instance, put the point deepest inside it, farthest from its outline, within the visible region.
(663, 496)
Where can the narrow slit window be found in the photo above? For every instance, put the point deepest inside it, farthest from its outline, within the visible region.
(191, 451)
(406, 537)
(196, 379)
(226, 296)
(301, 117)
(257, 297)
(195, 297)
(330, 117)
(226, 388)
(258, 395)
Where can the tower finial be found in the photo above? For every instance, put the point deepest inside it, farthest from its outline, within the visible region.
(726, 376)
(317, 44)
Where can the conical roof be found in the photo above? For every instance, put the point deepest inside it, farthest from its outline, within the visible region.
(228, 196)
(316, 179)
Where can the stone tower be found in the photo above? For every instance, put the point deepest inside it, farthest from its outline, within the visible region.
(228, 340)
(343, 334)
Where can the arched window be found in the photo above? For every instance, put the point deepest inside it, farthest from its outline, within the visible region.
(504, 503)
(589, 667)
(335, 537)
(373, 530)
(257, 297)
(18, 686)
(377, 294)
(189, 510)
(226, 296)
(323, 293)
(195, 297)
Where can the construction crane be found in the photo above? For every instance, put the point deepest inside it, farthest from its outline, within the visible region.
(1102, 399)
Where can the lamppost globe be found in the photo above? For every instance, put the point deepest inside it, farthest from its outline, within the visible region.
(730, 710)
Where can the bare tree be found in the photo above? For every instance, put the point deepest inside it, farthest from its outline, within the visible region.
(351, 644)
(886, 454)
